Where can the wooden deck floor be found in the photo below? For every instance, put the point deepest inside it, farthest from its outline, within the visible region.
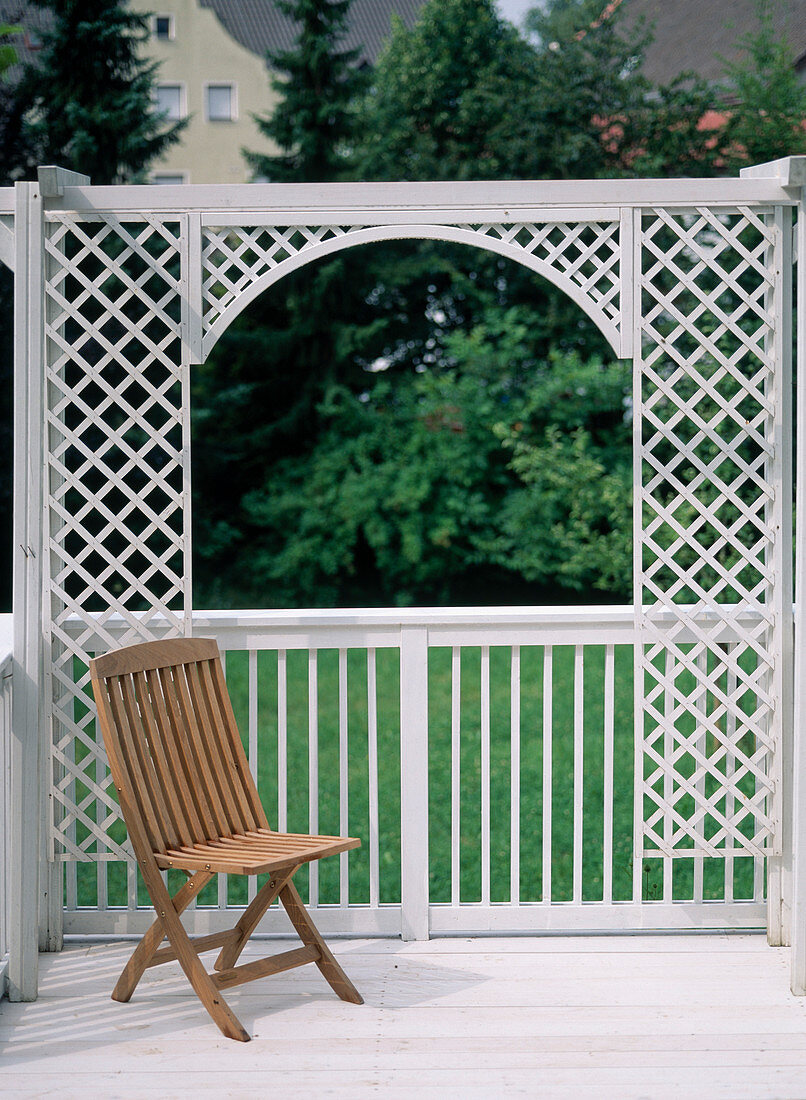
(633, 1016)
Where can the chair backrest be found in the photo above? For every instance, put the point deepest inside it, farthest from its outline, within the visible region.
(174, 750)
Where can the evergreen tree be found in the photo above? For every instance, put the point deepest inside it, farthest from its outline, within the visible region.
(90, 93)
(317, 82)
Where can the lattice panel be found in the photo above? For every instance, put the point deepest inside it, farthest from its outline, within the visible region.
(116, 483)
(710, 518)
(588, 254)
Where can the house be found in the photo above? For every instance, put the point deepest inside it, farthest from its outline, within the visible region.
(695, 37)
(213, 68)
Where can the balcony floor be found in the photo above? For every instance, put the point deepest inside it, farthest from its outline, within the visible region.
(630, 1016)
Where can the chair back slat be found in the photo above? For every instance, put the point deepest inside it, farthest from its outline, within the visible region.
(173, 744)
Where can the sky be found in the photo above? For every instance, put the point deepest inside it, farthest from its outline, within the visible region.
(514, 10)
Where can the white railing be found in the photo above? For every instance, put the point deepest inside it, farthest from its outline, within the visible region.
(484, 755)
(5, 802)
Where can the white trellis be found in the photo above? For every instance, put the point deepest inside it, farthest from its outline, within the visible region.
(122, 290)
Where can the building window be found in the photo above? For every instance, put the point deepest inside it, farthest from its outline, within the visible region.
(162, 26)
(220, 102)
(169, 179)
(169, 100)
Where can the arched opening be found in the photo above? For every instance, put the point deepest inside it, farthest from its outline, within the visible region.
(449, 384)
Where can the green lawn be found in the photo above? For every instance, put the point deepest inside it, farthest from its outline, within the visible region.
(531, 776)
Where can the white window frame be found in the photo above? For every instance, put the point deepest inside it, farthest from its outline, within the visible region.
(160, 178)
(171, 35)
(183, 105)
(233, 102)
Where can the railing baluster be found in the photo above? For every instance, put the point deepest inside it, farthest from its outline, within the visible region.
(668, 749)
(456, 773)
(731, 684)
(282, 741)
(222, 880)
(700, 708)
(344, 816)
(414, 895)
(579, 768)
(515, 777)
(313, 768)
(548, 688)
(372, 771)
(607, 776)
(485, 775)
(251, 881)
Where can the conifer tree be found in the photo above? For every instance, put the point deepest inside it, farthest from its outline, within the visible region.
(317, 83)
(91, 93)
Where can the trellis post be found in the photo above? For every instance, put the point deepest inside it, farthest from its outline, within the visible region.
(26, 771)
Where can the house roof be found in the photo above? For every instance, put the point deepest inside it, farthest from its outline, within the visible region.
(260, 27)
(696, 35)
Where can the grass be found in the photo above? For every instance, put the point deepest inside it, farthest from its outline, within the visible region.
(532, 744)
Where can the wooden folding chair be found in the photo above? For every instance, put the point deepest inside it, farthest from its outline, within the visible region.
(189, 801)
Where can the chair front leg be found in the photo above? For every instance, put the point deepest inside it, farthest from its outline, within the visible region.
(148, 945)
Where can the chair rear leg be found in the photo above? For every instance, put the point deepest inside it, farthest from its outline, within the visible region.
(144, 952)
(309, 934)
(251, 918)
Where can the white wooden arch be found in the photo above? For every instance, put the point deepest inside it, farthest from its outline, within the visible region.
(121, 290)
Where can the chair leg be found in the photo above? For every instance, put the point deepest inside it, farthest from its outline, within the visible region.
(206, 990)
(309, 934)
(251, 917)
(148, 945)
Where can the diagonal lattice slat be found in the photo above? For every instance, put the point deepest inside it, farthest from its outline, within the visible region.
(708, 527)
(588, 254)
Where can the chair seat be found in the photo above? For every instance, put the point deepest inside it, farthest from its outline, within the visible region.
(254, 853)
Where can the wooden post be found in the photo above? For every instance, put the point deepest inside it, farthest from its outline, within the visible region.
(414, 783)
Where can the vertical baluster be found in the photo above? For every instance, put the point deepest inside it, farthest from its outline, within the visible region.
(609, 728)
(548, 688)
(515, 777)
(282, 741)
(344, 817)
(251, 880)
(372, 766)
(456, 764)
(313, 769)
(731, 685)
(485, 775)
(579, 771)
(131, 885)
(668, 770)
(223, 880)
(700, 713)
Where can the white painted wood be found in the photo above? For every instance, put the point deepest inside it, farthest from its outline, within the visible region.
(27, 585)
(456, 773)
(372, 772)
(798, 966)
(548, 739)
(514, 775)
(313, 768)
(414, 782)
(7, 248)
(344, 775)
(627, 1017)
(579, 769)
(607, 778)
(6, 677)
(485, 774)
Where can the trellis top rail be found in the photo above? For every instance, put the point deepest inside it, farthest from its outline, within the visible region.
(473, 201)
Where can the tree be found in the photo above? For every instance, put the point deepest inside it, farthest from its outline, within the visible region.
(767, 119)
(90, 94)
(313, 123)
